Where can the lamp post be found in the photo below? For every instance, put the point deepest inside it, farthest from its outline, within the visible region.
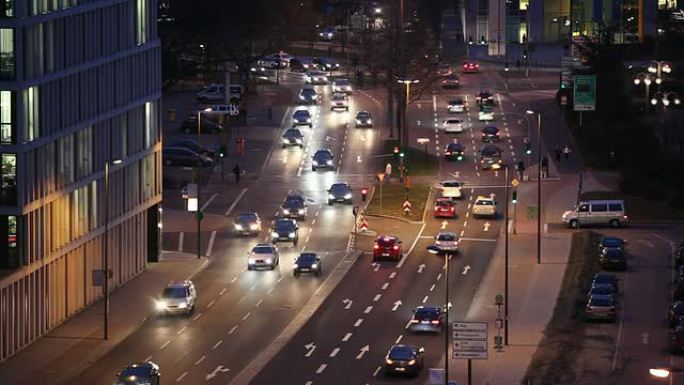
(506, 181)
(197, 179)
(539, 178)
(105, 246)
(665, 98)
(658, 68)
(403, 138)
(647, 79)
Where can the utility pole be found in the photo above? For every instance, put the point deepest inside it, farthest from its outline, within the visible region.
(507, 182)
(446, 313)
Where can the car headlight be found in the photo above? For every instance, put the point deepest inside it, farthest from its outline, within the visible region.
(298, 140)
(160, 305)
(301, 211)
(388, 361)
(286, 140)
(286, 211)
(370, 121)
(291, 235)
(325, 78)
(301, 97)
(329, 162)
(250, 261)
(347, 196)
(328, 65)
(295, 266)
(314, 162)
(274, 234)
(358, 121)
(238, 226)
(269, 260)
(308, 120)
(412, 362)
(330, 196)
(314, 266)
(253, 226)
(182, 305)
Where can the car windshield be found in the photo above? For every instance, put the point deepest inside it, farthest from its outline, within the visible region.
(613, 253)
(293, 133)
(601, 301)
(452, 121)
(174, 292)
(602, 289)
(247, 218)
(338, 97)
(294, 202)
(340, 188)
(490, 130)
(307, 258)
(444, 203)
(284, 226)
(604, 278)
(341, 82)
(611, 242)
(401, 353)
(363, 115)
(491, 151)
(456, 102)
(301, 114)
(386, 241)
(134, 375)
(308, 91)
(454, 147)
(262, 250)
(484, 203)
(322, 154)
(446, 237)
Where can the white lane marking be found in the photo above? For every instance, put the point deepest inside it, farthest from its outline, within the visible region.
(165, 344)
(200, 360)
(321, 368)
(184, 328)
(377, 297)
(377, 370)
(368, 309)
(358, 322)
(180, 378)
(422, 265)
(334, 352)
(232, 329)
(432, 287)
(149, 358)
(235, 202)
(259, 303)
(246, 315)
(313, 222)
(223, 291)
(211, 198)
(299, 171)
(393, 274)
(234, 279)
(271, 289)
(425, 299)
(399, 339)
(252, 288)
(195, 318)
(403, 259)
(347, 337)
(385, 286)
(439, 276)
(180, 240)
(210, 304)
(216, 345)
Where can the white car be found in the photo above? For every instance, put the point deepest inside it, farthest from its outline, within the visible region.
(446, 241)
(452, 126)
(484, 207)
(341, 85)
(316, 77)
(486, 114)
(456, 105)
(222, 109)
(452, 189)
(339, 102)
(263, 255)
(177, 297)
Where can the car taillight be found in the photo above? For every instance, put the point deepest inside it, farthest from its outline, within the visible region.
(414, 321)
(448, 153)
(395, 247)
(435, 322)
(587, 309)
(452, 208)
(376, 246)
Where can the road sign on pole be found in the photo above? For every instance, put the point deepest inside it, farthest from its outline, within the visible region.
(584, 92)
(469, 340)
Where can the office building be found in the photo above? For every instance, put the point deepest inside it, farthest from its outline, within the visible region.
(80, 86)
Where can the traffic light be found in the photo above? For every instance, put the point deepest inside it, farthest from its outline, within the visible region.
(395, 151)
(515, 197)
(401, 154)
(524, 54)
(528, 148)
(364, 194)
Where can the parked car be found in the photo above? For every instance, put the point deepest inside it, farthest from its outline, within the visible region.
(596, 212)
(600, 307)
(190, 125)
(184, 157)
(606, 278)
(608, 243)
(613, 259)
(196, 147)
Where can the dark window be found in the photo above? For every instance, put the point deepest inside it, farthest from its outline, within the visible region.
(599, 208)
(9, 255)
(584, 208)
(615, 207)
(8, 181)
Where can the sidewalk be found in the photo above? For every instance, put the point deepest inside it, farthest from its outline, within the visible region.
(70, 348)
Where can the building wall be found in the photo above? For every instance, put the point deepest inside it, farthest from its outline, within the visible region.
(80, 85)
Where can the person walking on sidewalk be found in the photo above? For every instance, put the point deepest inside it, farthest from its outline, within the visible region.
(545, 166)
(566, 152)
(237, 171)
(557, 151)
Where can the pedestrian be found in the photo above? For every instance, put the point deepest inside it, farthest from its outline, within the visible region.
(269, 112)
(566, 152)
(545, 166)
(558, 152)
(236, 171)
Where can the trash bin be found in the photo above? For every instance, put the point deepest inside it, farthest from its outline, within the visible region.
(171, 114)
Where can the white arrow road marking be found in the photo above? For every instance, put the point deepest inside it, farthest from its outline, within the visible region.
(449, 305)
(358, 322)
(362, 352)
(396, 305)
(418, 122)
(644, 338)
(329, 138)
(444, 224)
(376, 266)
(358, 159)
(486, 226)
(347, 303)
(363, 138)
(368, 309)
(466, 269)
(421, 267)
(321, 368)
(308, 383)
(347, 337)
(219, 369)
(310, 347)
(334, 352)
(377, 297)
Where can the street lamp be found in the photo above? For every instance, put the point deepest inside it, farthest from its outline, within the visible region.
(647, 79)
(403, 138)
(447, 304)
(539, 178)
(105, 246)
(658, 67)
(659, 372)
(199, 123)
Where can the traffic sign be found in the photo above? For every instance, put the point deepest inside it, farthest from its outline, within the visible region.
(498, 300)
(381, 177)
(469, 340)
(515, 182)
(584, 92)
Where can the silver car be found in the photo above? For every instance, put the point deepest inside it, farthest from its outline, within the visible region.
(263, 255)
(177, 297)
(600, 307)
(446, 242)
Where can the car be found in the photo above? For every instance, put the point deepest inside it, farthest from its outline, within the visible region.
(677, 338)
(177, 297)
(490, 157)
(342, 85)
(326, 63)
(452, 189)
(445, 208)
(259, 72)
(470, 67)
(299, 64)
(446, 242)
(307, 263)
(454, 151)
(263, 255)
(387, 246)
(185, 157)
(490, 134)
(316, 77)
(610, 212)
(307, 96)
(294, 206)
(328, 33)
(404, 359)
(339, 101)
(282, 57)
(285, 229)
(676, 313)
(608, 243)
(209, 126)
(452, 125)
(445, 69)
(486, 114)
(196, 147)
(601, 289)
(247, 223)
(211, 93)
(293, 137)
(302, 118)
(607, 279)
(363, 119)
(484, 207)
(141, 373)
(221, 109)
(456, 105)
(451, 81)
(268, 62)
(340, 192)
(484, 97)
(322, 159)
(613, 259)
(600, 307)
(427, 319)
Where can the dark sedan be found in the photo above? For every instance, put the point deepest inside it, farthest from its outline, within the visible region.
(247, 223)
(285, 230)
(454, 151)
(293, 137)
(606, 278)
(307, 263)
(404, 359)
(294, 207)
(190, 125)
(613, 259)
(490, 134)
(427, 319)
(322, 159)
(340, 192)
(612, 243)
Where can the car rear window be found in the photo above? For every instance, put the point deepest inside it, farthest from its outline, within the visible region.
(601, 301)
(446, 237)
(401, 354)
(451, 184)
(247, 218)
(444, 203)
(386, 242)
(262, 250)
(307, 257)
(484, 203)
(430, 313)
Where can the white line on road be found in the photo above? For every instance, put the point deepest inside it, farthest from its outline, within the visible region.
(425, 299)
(334, 352)
(165, 344)
(392, 274)
(299, 171)
(358, 322)
(149, 358)
(403, 259)
(246, 315)
(377, 370)
(180, 378)
(180, 240)
(385, 286)
(233, 280)
(432, 287)
(211, 198)
(216, 345)
(377, 297)
(321, 368)
(368, 309)
(271, 289)
(184, 328)
(309, 383)
(439, 276)
(399, 339)
(346, 337)
(197, 316)
(223, 291)
(232, 329)
(198, 361)
(210, 246)
(259, 303)
(235, 202)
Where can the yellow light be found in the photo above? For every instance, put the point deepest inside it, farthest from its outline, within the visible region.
(660, 373)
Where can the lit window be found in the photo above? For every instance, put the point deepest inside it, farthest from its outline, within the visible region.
(141, 22)
(524, 4)
(6, 53)
(6, 117)
(6, 8)
(31, 111)
(8, 179)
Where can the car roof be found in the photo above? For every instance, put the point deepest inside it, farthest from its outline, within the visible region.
(179, 284)
(386, 238)
(490, 127)
(340, 184)
(403, 347)
(363, 112)
(428, 308)
(302, 111)
(443, 199)
(612, 239)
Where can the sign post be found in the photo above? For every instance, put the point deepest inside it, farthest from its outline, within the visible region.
(381, 178)
(469, 341)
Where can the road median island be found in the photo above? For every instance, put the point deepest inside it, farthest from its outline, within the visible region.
(557, 357)
(388, 200)
(416, 161)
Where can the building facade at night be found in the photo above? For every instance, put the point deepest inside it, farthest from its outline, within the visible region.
(80, 86)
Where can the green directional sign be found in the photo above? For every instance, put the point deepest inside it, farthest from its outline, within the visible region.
(584, 92)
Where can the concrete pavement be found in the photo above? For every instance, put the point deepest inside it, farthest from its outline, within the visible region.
(78, 342)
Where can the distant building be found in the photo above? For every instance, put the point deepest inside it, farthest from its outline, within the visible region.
(80, 86)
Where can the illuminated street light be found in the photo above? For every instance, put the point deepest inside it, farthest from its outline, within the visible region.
(378, 10)
(647, 79)
(659, 372)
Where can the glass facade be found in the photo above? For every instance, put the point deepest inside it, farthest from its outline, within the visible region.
(7, 127)
(8, 183)
(6, 54)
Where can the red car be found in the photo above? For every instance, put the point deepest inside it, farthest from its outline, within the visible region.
(387, 246)
(471, 67)
(445, 208)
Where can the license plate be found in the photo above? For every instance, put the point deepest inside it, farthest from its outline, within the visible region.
(304, 269)
(385, 254)
(425, 322)
(400, 369)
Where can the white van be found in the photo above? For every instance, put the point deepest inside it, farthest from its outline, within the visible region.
(216, 92)
(596, 212)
